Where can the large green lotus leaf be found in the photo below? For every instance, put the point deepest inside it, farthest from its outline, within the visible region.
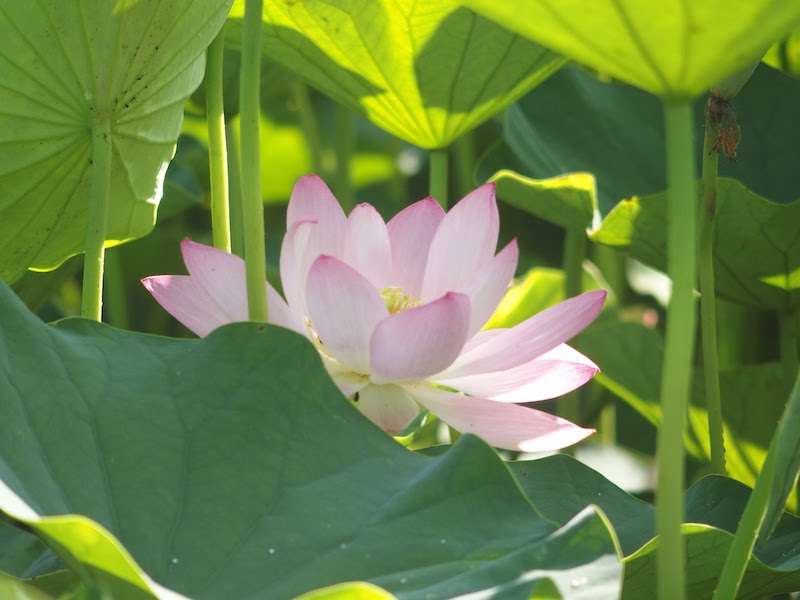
(348, 591)
(232, 467)
(558, 485)
(756, 243)
(575, 123)
(64, 64)
(670, 48)
(426, 72)
(630, 356)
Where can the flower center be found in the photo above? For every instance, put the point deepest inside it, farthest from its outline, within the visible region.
(397, 300)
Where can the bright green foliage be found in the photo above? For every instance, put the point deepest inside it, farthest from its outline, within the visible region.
(231, 466)
(629, 356)
(615, 133)
(64, 65)
(538, 289)
(426, 72)
(670, 48)
(756, 247)
(558, 484)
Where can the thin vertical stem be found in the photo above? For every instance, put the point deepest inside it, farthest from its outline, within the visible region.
(678, 348)
(116, 300)
(438, 176)
(217, 151)
(252, 202)
(344, 140)
(235, 191)
(574, 252)
(783, 442)
(708, 316)
(464, 151)
(96, 220)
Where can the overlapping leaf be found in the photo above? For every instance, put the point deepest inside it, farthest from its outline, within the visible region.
(231, 466)
(557, 485)
(670, 48)
(65, 64)
(756, 243)
(425, 72)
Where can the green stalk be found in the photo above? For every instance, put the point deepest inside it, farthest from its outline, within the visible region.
(96, 220)
(788, 342)
(309, 125)
(438, 176)
(344, 139)
(116, 299)
(708, 317)
(574, 253)
(217, 152)
(753, 516)
(235, 191)
(252, 202)
(464, 150)
(678, 347)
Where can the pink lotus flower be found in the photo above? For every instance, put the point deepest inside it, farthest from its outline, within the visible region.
(396, 312)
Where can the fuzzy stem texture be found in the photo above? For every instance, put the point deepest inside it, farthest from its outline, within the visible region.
(252, 202)
(235, 191)
(97, 220)
(344, 142)
(678, 347)
(708, 317)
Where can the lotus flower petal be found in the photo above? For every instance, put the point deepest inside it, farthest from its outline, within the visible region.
(508, 426)
(531, 338)
(464, 241)
(388, 406)
(344, 309)
(367, 248)
(414, 344)
(411, 232)
(488, 286)
(550, 375)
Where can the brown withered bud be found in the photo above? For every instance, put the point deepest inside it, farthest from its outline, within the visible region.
(724, 133)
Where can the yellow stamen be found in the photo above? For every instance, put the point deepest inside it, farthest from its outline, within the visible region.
(396, 300)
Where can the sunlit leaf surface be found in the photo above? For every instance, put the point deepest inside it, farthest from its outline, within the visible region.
(426, 72)
(670, 48)
(64, 64)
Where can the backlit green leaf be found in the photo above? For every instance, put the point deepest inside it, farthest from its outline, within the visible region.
(670, 48)
(425, 72)
(64, 64)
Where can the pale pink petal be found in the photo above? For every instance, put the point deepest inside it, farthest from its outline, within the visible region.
(344, 309)
(221, 275)
(293, 281)
(412, 345)
(367, 248)
(313, 202)
(531, 338)
(464, 241)
(184, 299)
(550, 375)
(508, 426)
(411, 231)
(488, 286)
(388, 406)
(312, 199)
